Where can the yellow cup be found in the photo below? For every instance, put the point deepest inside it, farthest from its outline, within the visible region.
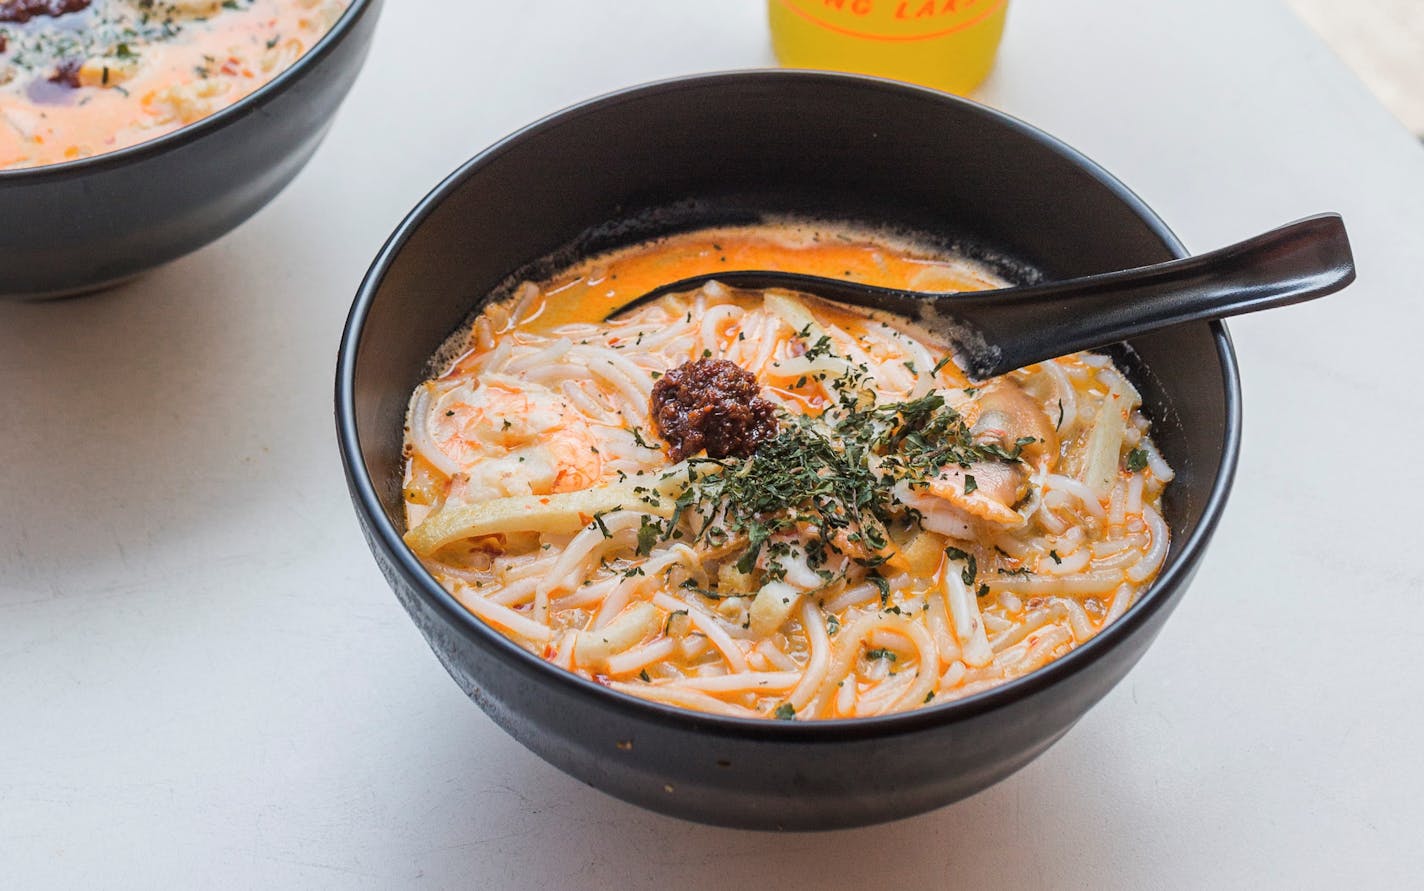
(947, 44)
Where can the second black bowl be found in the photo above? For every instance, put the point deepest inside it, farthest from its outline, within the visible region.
(82, 225)
(733, 148)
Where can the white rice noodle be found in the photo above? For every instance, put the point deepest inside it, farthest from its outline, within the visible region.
(877, 699)
(564, 650)
(1088, 584)
(845, 697)
(739, 349)
(1066, 395)
(1122, 599)
(591, 406)
(1155, 461)
(594, 648)
(515, 593)
(1050, 521)
(1115, 381)
(793, 312)
(617, 598)
(965, 618)
(741, 682)
(502, 616)
(690, 699)
(1030, 623)
(1152, 560)
(1104, 449)
(1108, 548)
(774, 656)
(924, 365)
(994, 624)
(653, 336)
(527, 305)
(703, 621)
(1073, 563)
(604, 365)
(1011, 546)
(1133, 504)
(1083, 494)
(640, 657)
(554, 374)
(944, 639)
(813, 622)
(712, 323)
(1117, 504)
(1034, 651)
(848, 646)
(770, 340)
(510, 571)
(539, 358)
(483, 339)
(582, 554)
(588, 595)
(421, 440)
(953, 676)
(853, 596)
(796, 367)
(494, 361)
(1077, 618)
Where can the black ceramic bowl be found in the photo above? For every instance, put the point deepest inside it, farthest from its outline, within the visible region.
(732, 147)
(82, 225)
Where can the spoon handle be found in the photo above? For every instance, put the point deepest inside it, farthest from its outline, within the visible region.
(1300, 261)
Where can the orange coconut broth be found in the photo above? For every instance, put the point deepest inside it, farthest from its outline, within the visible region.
(589, 291)
(121, 72)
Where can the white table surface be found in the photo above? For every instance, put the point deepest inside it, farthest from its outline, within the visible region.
(204, 682)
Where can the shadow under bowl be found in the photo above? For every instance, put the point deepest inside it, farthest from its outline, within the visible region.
(732, 148)
(85, 225)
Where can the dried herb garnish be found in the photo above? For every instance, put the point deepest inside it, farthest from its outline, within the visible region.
(1136, 460)
(827, 481)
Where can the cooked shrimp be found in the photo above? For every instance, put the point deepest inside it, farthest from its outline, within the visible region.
(514, 438)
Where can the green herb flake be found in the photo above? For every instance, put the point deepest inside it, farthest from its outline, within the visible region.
(648, 534)
(598, 520)
(971, 566)
(1136, 460)
(882, 585)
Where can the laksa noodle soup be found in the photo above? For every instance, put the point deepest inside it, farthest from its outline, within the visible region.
(760, 504)
(84, 77)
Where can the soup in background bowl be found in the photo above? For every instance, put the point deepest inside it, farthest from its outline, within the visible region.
(96, 211)
(728, 151)
(83, 77)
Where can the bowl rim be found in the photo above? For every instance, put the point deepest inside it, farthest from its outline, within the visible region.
(383, 533)
(217, 120)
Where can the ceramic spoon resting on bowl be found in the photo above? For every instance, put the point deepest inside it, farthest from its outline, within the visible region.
(996, 331)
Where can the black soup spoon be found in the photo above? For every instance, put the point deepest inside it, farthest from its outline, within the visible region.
(994, 332)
